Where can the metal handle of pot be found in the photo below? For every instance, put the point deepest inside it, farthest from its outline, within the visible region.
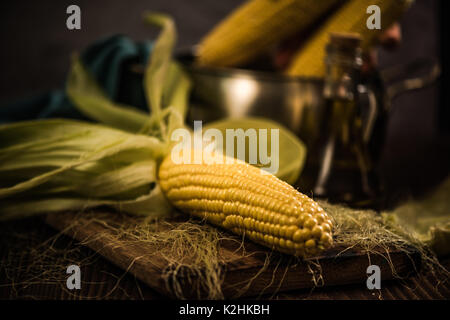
(399, 87)
(372, 111)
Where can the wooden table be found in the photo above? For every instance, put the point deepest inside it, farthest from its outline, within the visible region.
(103, 280)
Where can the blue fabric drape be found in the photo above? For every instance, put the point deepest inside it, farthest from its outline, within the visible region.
(109, 61)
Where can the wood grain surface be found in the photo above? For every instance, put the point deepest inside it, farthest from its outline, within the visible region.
(283, 273)
(103, 280)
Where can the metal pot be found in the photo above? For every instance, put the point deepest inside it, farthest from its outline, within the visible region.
(298, 103)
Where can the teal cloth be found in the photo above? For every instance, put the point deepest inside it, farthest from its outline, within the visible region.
(109, 61)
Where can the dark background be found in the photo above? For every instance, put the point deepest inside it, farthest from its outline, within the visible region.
(35, 56)
(36, 50)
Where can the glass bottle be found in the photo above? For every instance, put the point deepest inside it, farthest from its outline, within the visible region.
(344, 162)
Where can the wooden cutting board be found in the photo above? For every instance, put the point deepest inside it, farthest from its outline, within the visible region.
(283, 273)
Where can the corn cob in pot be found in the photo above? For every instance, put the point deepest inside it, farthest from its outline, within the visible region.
(350, 18)
(256, 26)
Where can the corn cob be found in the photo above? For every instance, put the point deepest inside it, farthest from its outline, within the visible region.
(242, 199)
(256, 26)
(350, 18)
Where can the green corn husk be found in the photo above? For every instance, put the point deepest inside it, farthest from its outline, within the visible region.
(292, 151)
(164, 81)
(54, 165)
(92, 101)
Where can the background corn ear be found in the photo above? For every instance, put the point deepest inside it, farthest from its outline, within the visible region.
(256, 26)
(242, 199)
(351, 17)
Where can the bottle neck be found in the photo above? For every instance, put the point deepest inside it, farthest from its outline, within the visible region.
(343, 68)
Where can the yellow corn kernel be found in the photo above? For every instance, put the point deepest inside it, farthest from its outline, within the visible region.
(285, 219)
